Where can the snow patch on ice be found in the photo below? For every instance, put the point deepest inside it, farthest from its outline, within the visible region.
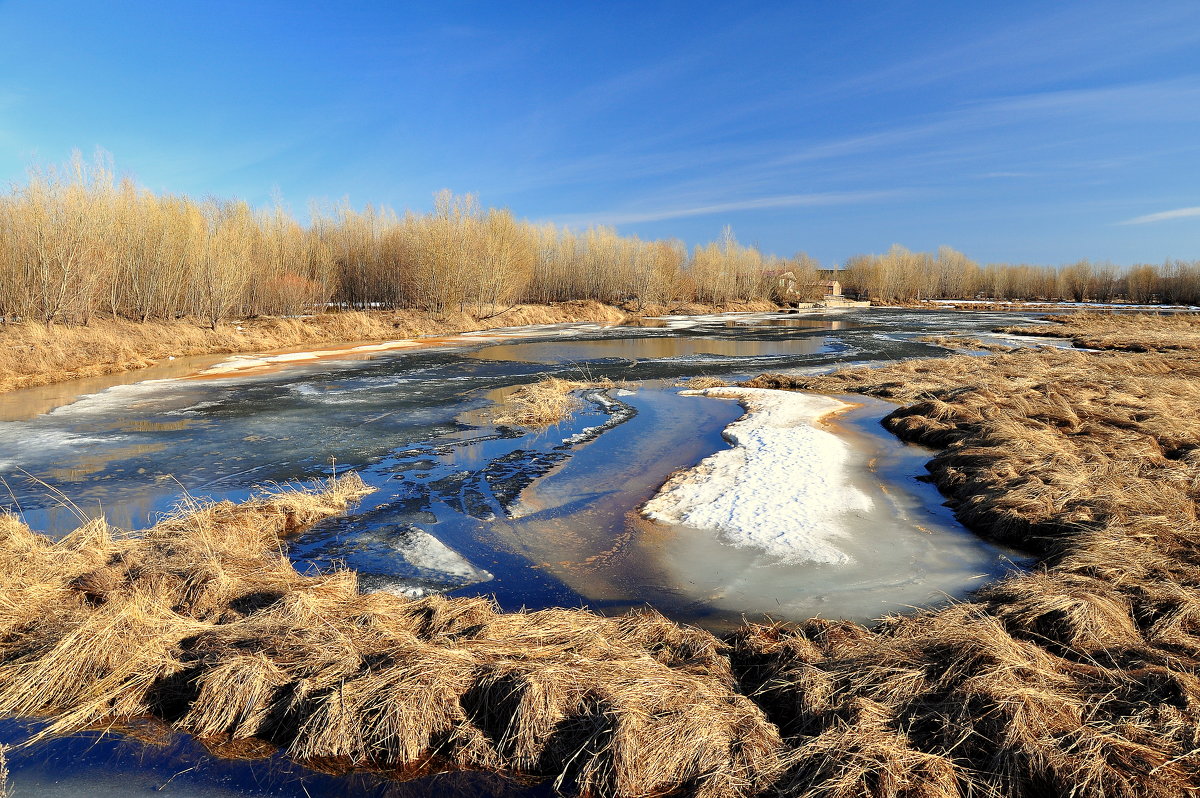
(423, 550)
(783, 487)
(585, 434)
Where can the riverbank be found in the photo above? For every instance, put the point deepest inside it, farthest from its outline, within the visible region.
(203, 624)
(33, 354)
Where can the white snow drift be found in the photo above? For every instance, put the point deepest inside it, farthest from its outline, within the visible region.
(783, 488)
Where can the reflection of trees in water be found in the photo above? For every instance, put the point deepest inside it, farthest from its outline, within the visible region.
(651, 347)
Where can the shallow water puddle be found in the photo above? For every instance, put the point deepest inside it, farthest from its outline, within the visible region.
(580, 523)
(94, 765)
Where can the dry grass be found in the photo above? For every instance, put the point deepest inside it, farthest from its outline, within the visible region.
(1077, 679)
(958, 341)
(688, 308)
(203, 624)
(704, 382)
(544, 403)
(1041, 444)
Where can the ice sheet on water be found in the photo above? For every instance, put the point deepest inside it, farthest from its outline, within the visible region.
(147, 393)
(403, 559)
(1037, 340)
(47, 443)
(241, 363)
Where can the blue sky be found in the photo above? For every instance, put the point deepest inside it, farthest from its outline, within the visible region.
(1014, 131)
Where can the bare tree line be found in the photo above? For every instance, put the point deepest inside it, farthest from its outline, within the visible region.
(75, 242)
(903, 276)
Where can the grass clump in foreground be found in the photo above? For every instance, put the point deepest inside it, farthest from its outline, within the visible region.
(202, 623)
(1078, 679)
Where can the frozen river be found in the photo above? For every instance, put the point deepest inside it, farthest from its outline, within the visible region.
(466, 507)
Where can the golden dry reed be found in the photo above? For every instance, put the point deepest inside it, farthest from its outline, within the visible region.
(544, 403)
(1079, 678)
(75, 243)
(37, 354)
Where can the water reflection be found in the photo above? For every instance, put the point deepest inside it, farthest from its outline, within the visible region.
(809, 324)
(32, 402)
(657, 347)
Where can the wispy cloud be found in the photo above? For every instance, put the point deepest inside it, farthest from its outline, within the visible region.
(1078, 39)
(1164, 216)
(757, 203)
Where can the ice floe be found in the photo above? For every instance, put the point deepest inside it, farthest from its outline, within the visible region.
(783, 488)
(405, 560)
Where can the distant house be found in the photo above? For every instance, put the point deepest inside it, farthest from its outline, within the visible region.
(829, 278)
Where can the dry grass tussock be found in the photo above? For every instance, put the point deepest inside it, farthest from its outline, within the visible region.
(202, 623)
(704, 382)
(36, 354)
(958, 342)
(544, 403)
